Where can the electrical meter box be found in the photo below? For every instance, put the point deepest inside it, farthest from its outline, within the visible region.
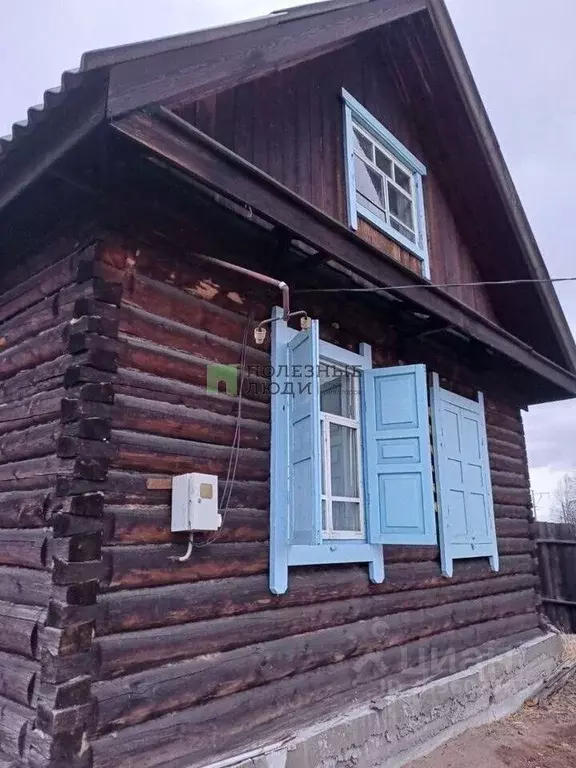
(195, 503)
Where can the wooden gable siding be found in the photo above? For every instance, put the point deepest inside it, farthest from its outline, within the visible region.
(290, 125)
(199, 658)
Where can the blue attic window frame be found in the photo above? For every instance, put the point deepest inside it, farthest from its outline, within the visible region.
(390, 149)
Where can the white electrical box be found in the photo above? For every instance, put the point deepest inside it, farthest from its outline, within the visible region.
(195, 503)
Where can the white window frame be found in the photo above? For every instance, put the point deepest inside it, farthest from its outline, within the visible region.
(355, 115)
(327, 497)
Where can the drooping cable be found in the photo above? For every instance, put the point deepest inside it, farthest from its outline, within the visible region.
(419, 286)
(236, 441)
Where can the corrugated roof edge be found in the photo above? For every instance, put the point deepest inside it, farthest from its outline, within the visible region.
(52, 98)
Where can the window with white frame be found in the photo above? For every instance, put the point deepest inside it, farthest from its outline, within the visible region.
(342, 504)
(351, 460)
(384, 181)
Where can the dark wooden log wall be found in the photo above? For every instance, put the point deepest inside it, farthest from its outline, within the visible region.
(52, 309)
(199, 658)
(290, 125)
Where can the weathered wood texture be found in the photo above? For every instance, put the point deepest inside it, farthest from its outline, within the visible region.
(37, 304)
(556, 544)
(53, 310)
(201, 637)
(290, 124)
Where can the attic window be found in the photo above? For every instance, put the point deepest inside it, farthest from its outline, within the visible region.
(384, 181)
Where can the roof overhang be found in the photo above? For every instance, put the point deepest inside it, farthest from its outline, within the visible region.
(164, 135)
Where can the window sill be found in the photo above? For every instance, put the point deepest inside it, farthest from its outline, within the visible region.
(332, 552)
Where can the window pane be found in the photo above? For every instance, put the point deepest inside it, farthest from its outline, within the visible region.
(383, 163)
(343, 461)
(369, 183)
(324, 522)
(346, 516)
(403, 230)
(400, 206)
(337, 389)
(402, 179)
(363, 146)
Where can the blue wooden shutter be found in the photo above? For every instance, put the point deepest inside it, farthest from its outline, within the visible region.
(466, 509)
(304, 440)
(397, 456)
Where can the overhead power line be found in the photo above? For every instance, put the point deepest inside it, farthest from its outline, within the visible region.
(419, 286)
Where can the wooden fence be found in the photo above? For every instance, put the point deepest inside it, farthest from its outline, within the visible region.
(557, 563)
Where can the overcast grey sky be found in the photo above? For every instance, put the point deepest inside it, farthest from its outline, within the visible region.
(524, 61)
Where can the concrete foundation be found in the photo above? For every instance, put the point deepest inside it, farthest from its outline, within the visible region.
(392, 731)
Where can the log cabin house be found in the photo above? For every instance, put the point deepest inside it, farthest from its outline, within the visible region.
(370, 454)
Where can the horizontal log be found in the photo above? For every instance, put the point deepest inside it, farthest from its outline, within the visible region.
(276, 710)
(25, 586)
(506, 463)
(29, 469)
(502, 448)
(43, 347)
(41, 317)
(181, 421)
(145, 325)
(20, 625)
(29, 443)
(133, 651)
(155, 454)
(405, 554)
(37, 409)
(18, 678)
(37, 287)
(156, 565)
(27, 383)
(510, 480)
(151, 525)
(510, 546)
(151, 387)
(498, 418)
(23, 509)
(177, 604)
(175, 304)
(15, 719)
(23, 547)
(215, 286)
(512, 528)
(515, 496)
(135, 488)
(133, 699)
(510, 510)
(508, 436)
(149, 358)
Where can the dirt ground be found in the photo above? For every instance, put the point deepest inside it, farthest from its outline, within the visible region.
(535, 737)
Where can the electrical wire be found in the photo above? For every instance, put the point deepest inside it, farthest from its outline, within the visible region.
(235, 452)
(437, 285)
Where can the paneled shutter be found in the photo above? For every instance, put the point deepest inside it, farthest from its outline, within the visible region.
(305, 438)
(466, 509)
(397, 456)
